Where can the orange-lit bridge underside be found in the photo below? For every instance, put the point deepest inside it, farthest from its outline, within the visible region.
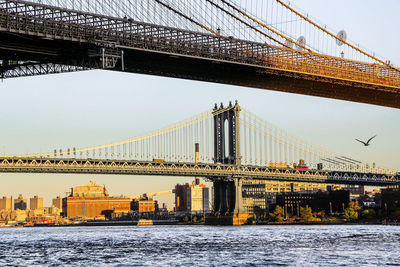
(37, 39)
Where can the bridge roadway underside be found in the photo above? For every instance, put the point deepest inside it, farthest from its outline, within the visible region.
(20, 47)
(213, 172)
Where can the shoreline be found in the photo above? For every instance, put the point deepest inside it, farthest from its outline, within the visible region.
(175, 222)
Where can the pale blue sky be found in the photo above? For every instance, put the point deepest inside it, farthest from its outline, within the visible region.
(96, 107)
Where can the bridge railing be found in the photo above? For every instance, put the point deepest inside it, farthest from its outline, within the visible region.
(54, 22)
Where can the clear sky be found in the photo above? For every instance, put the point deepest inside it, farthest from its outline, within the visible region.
(41, 113)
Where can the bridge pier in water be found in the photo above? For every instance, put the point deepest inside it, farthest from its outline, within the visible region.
(228, 205)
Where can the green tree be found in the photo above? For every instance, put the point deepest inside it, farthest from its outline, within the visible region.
(354, 205)
(350, 214)
(306, 214)
(277, 215)
(368, 214)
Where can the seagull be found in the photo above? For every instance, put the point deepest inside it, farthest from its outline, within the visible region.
(366, 143)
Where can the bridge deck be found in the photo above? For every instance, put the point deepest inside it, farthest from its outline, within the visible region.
(210, 171)
(61, 36)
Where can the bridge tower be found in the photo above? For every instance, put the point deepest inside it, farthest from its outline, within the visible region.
(227, 151)
(228, 205)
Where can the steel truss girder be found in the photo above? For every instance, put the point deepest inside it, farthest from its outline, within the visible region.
(61, 24)
(211, 171)
(24, 70)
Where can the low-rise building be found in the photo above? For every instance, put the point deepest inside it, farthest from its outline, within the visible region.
(259, 194)
(91, 200)
(6, 203)
(327, 201)
(144, 205)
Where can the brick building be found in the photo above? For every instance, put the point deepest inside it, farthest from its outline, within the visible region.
(144, 205)
(91, 200)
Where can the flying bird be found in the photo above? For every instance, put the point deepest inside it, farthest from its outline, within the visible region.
(366, 143)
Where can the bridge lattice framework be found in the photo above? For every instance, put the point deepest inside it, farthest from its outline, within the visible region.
(42, 39)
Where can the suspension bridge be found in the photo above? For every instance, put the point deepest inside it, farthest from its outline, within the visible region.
(254, 43)
(225, 145)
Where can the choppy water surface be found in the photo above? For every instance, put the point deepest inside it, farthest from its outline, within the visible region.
(349, 245)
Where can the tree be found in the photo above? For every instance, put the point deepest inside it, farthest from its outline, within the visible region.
(306, 214)
(368, 214)
(350, 214)
(354, 205)
(277, 215)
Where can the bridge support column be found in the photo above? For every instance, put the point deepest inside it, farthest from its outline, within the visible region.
(216, 196)
(240, 216)
(239, 196)
(228, 204)
(223, 198)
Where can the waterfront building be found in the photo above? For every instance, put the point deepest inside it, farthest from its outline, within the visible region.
(181, 197)
(192, 198)
(57, 202)
(91, 200)
(327, 201)
(6, 203)
(36, 203)
(259, 194)
(144, 205)
(357, 190)
(254, 197)
(20, 203)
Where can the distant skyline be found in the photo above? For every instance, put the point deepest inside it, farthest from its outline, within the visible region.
(96, 107)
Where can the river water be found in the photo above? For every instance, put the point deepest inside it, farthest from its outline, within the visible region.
(343, 245)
